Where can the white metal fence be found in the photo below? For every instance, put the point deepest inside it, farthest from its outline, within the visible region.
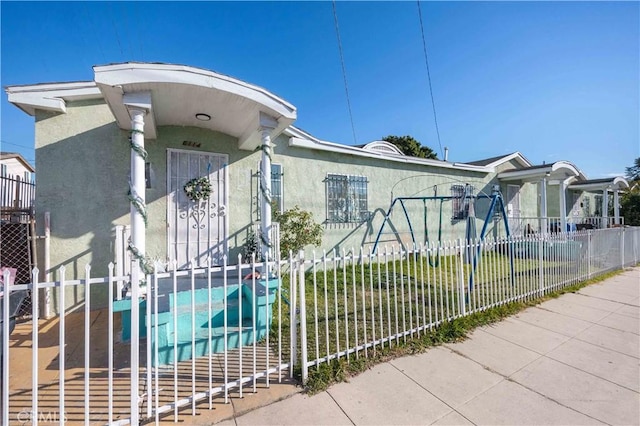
(528, 225)
(205, 334)
(356, 303)
(209, 334)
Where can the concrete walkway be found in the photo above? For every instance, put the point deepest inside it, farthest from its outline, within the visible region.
(570, 361)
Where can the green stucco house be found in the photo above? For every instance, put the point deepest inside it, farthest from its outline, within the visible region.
(114, 155)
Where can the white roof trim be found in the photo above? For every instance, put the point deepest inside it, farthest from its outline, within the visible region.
(116, 79)
(382, 146)
(132, 73)
(316, 144)
(615, 183)
(514, 156)
(558, 170)
(51, 96)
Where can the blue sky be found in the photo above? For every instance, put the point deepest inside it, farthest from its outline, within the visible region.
(553, 80)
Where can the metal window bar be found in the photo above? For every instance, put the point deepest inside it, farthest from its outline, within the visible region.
(347, 198)
(277, 188)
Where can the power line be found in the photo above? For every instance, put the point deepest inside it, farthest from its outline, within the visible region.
(128, 35)
(115, 29)
(96, 33)
(15, 144)
(426, 61)
(344, 72)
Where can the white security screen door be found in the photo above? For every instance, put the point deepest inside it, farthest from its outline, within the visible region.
(576, 209)
(196, 229)
(513, 208)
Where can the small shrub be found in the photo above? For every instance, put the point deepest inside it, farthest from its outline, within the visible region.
(250, 247)
(297, 230)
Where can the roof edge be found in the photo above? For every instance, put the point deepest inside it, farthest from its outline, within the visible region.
(313, 143)
(50, 96)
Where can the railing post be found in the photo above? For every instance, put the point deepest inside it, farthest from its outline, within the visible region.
(293, 348)
(461, 280)
(6, 288)
(589, 254)
(47, 264)
(540, 264)
(135, 342)
(621, 247)
(35, 316)
(16, 198)
(635, 246)
(303, 318)
(119, 257)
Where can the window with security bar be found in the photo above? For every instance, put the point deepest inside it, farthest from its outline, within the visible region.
(586, 206)
(598, 206)
(462, 195)
(276, 188)
(346, 198)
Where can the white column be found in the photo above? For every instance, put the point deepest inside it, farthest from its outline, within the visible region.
(563, 205)
(138, 240)
(544, 226)
(138, 186)
(616, 206)
(605, 208)
(267, 124)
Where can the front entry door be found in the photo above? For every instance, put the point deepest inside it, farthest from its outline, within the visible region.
(196, 229)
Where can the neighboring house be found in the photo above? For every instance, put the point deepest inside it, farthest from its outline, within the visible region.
(196, 123)
(17, 196)
(17, 182)
(13, 164)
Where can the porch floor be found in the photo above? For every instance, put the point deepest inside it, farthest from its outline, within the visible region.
(20, 376)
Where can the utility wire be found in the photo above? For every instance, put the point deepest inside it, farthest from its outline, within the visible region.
(125, 13)
(11, 143)
(96, 32)
(115, 29)
(344, 72)
(426, 61)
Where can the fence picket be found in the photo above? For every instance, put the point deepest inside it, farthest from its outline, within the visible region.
(375, 299)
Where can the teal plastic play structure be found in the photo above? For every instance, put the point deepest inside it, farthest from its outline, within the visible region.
(247, 306)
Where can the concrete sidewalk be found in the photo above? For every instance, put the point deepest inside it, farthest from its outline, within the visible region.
(570, 361)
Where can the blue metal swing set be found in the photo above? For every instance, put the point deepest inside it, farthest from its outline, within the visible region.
(496, 204)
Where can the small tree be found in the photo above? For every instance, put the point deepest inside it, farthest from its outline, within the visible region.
(297, 230)
(630, 208)
(409, 146)
(633, 172)
(630, 201)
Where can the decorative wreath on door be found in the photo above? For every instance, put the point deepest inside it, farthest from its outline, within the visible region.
(198, 189)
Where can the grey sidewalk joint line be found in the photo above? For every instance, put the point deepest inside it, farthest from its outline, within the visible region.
(607, 300)
(435, 396)
(529, 349)
(508, 378)
(339, 406)
(570, 316)
(575, 337)
(553, 400)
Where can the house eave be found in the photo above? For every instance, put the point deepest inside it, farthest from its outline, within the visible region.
(50, 96)
(558, 171)
(319, 145)
(618, 183)
(180, 93)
